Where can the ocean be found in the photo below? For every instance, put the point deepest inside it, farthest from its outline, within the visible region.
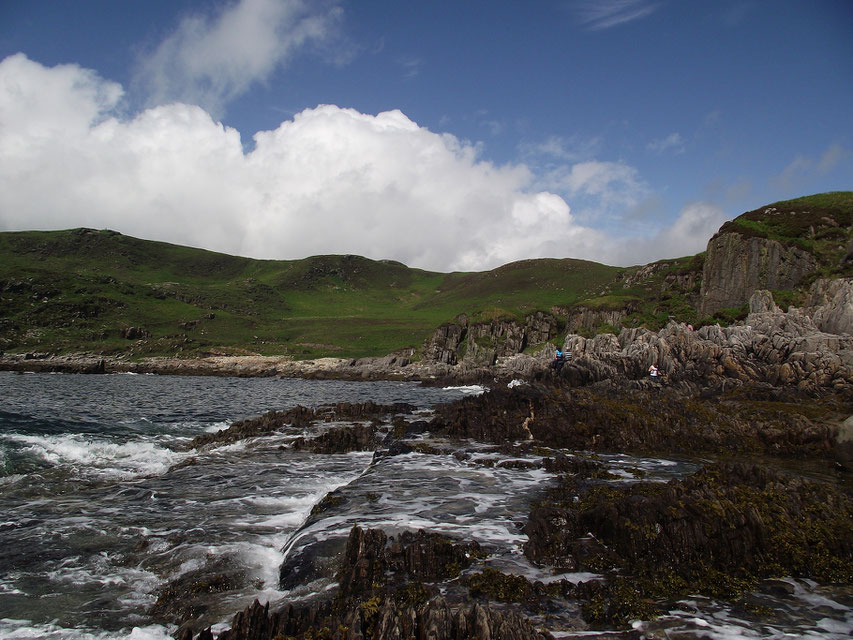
(102, 506)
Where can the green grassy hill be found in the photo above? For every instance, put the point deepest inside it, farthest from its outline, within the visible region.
(81, 290)
(819, 224)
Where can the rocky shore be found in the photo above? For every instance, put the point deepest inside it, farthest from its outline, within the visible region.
(755, 398)
(727, 531)
(809, 348)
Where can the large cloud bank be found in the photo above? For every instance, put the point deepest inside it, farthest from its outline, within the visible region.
(331, 180)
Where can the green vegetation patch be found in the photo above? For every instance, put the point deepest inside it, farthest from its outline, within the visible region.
(820, 224)
(81, 290)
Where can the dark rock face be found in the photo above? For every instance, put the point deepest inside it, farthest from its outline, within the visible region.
(254, 427)
(497, 416)
(179, 599)
(301, 417)
(381, 620)
(443, 346)
(341, 440)
(480, 344)
(421, 556)
(608, 417)
(383, 596)
(735, 266)
(589, 319)
(716, 532)
(135, 333)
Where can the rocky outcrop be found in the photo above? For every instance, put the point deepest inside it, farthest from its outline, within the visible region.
(134, 333)
(183, 598)
(770, 347)
(830, 305)
(443, 345)
(352, 438)
(383, 619)
(583, 318)
(808, 347)
(359, 437)
(736, 266)
(372, 559)
(647, 419)
(386, 593)
(717, 532)
(481, 344)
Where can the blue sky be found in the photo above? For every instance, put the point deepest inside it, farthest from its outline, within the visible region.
(446, 135)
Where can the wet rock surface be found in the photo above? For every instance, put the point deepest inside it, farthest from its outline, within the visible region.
(721, 532)
(651, 419)
(183, 598)
(717, 532)
(387, 591)
(354, 438)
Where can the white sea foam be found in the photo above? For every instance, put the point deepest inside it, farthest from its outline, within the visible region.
(11, 479)
(471, 389)
(216, 427)
(716, 621)
(24, 629)
(136, 585)
(102, 457)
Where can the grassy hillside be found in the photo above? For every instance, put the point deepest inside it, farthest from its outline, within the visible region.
(81, 289)
(820, 224)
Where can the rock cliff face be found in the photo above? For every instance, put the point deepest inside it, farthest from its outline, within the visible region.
(481, 344)
(590, 319)
(736, 266)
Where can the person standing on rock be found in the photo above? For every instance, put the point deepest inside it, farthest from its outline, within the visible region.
(559, 359)
(654, 372)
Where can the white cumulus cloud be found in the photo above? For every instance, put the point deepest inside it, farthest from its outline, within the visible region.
(329, 180)
(689, 235)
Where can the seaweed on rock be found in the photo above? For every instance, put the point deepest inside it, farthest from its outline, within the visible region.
(717, 532)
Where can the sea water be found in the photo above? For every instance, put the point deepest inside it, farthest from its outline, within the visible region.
(101, 504)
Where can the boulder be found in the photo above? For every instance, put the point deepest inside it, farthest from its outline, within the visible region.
(831, 305)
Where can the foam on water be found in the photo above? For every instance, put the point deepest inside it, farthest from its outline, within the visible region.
(11, 629)
(801, 614)
(216, 427)
(99, 456)
(468, 390)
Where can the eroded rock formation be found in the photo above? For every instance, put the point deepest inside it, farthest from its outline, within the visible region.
(736, 266)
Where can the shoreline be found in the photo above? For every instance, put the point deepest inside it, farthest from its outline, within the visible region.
(257, 366)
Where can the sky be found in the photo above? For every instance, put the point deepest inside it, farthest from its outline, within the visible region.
(448, 135)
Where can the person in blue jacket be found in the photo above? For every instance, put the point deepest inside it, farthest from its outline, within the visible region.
(559, 359)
